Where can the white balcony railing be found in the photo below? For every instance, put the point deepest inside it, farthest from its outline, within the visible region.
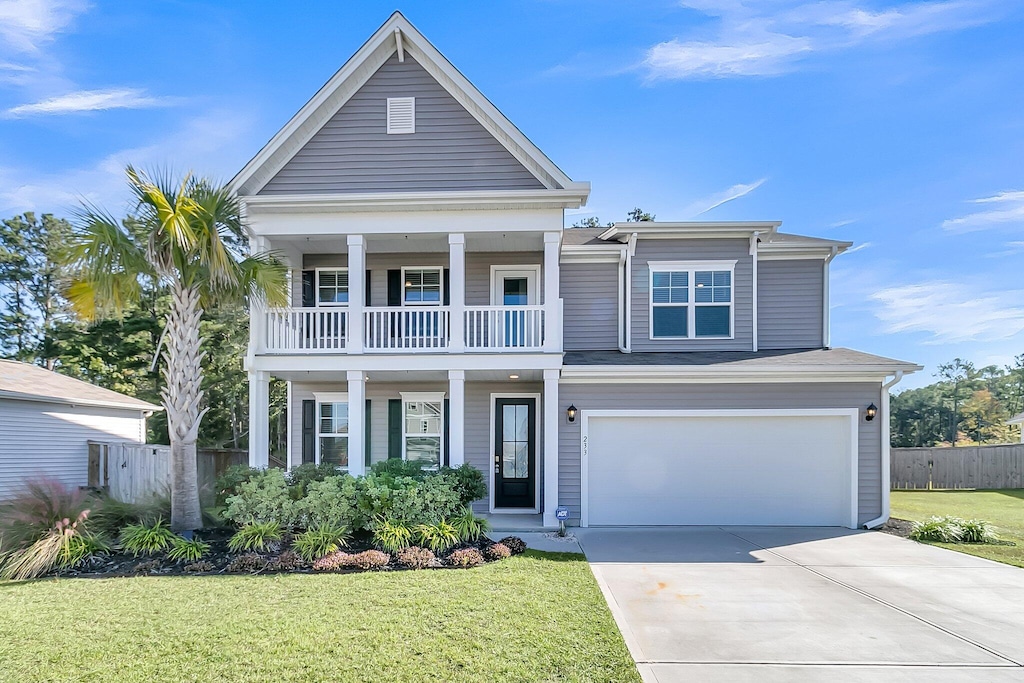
(306, 330)
(491, 328)
(403, 329)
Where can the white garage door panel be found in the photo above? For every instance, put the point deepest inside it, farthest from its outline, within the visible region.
(780, 469)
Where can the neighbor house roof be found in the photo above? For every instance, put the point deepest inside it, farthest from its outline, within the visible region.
(32, 383)
(1016, 420)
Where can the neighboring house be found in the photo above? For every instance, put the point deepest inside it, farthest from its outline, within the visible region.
(47, 420)
(645, 373)
(1019, 421)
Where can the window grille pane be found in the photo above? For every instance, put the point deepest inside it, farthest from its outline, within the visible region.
(680, 279)
(670, 321)
(424, 449)
(712, 321)
(660, 279)
(722, 278)
(334, 450)
(680, 295)
(661, 295)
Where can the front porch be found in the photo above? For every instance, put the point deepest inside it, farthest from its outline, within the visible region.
(504, 423)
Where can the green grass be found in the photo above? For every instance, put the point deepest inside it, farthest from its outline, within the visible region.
(1004, 509)
(535, 617)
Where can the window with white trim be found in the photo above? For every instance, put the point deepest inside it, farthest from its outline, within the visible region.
(331, 286)
(692, 300)
(421, 286)
(332, 429)
(422, 428)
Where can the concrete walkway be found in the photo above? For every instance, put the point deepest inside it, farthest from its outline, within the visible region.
(797, 604)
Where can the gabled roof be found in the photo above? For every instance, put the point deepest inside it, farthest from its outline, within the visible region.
(396, 35)
(22, 381)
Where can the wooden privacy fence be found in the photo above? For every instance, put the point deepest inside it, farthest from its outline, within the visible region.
(963, 467)
(133, 472)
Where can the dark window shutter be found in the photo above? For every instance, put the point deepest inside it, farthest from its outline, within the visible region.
(368, 280)
(446, 288)
(394, 288)
(366, 434)
(447, 432)
(308, 431)
(394, 428)
(308, 288)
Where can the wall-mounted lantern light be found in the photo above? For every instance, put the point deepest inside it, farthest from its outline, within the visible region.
(870, 413)
(570, 414)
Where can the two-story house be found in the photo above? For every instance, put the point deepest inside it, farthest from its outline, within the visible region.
(647, 373)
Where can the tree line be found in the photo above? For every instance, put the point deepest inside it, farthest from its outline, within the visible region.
(966, 406)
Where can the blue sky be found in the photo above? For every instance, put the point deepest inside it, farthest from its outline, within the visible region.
(896, 125)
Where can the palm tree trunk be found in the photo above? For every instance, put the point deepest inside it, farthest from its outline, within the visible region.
(182, 394)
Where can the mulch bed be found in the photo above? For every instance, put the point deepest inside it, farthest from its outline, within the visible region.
(219, 560)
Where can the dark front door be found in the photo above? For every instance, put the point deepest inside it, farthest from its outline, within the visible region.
(515, 452)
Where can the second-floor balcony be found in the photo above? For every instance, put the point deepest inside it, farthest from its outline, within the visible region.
(329, 330)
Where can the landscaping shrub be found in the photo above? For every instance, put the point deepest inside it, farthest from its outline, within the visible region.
(303, 475)
(977, 531)
(951, 529)
(331, 501)
(147, 567)
(146, 539)
(110, 515)
(466, 557)
(260, 536)
(264, 497)
(390, 535)
(249, 563)
(321, 540)
(35, 511)
(498, 551)
(198, 567)
(287, 561)
(370, 559)
(470, 527)
(415, 557)
(333, 562)
(395, 468)
(467, 481)
(514, 544)
(438, 537)
(230, 480)
(187, 550)
(63, 546)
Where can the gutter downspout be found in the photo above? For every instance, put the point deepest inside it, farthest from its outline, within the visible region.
(622, 302)
(630, 251)
(886, 475)
(826, 323)
(754, 239)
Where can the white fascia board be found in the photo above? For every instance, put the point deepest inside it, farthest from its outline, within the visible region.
(314, 363)
(94, 403)
(796, 253)
(592, 253)
(415, 201)
(716, 374)
(690, 230)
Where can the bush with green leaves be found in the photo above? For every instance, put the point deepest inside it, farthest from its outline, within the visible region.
(470, 527)
(331, 501)
(977, 531)
(391, 535)
(230, 480)
(187, 550)
(110, 516)
(467, 481)
(147, 538)
(438, 537)
(465, 557)
(264, 498)
(62, 547)
(257, 536)
(320, 540)
(950, 529)
(301, 476)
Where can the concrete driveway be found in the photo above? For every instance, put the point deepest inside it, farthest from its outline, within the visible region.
(799, 604)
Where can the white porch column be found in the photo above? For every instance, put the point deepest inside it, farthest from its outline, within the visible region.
(356, 422)
(356, 292)
(552, 319)
(259, 419)
(457, 274)
(456, 417)
(551, 422)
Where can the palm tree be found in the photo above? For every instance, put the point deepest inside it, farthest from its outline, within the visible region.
(186, 239)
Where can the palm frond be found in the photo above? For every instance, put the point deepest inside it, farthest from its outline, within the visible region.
(262, 278)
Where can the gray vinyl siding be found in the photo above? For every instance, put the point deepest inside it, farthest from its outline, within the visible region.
(722, 396)
(692, 250)
(590, 295)
(789, 304)
(51, 440)
(353, 153)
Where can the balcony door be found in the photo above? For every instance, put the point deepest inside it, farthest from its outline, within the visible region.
(515, 287)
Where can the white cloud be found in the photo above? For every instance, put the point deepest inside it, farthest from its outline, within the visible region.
(91, 100)
(842, 223)
(1011, 210)
(1010, 249)
(950, 312)
(757, 38)
(26, 25)
(712, 201)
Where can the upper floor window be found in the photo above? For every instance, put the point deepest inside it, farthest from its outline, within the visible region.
(422, 427)
(422, 286)
(691, 300)
(331, 286)
(332, 429)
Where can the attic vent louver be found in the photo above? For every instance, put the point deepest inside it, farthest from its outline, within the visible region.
(401, 115)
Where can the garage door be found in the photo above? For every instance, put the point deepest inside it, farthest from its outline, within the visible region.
(734, 467)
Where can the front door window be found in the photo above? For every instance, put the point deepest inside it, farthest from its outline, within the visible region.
(515, 452)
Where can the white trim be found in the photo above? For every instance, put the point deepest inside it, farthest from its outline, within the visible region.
(753, 267)
(395, 102)
(689, 229)
(826, 305)
(440, 290)
(330, 398)
(413, 201)
(424, 397)
(719, 374)
(413, 361)
(289, 437)
(95, 403)
(852, 413)
(535, 510)
(886, 483)
(816, 254)
(592, 253)
(531, 271)
(691, 304)
(316, 286)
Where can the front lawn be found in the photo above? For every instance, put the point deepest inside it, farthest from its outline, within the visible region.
(1004, 509)
(534, 617)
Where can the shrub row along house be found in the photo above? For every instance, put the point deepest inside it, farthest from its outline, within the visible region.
(644, 373)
